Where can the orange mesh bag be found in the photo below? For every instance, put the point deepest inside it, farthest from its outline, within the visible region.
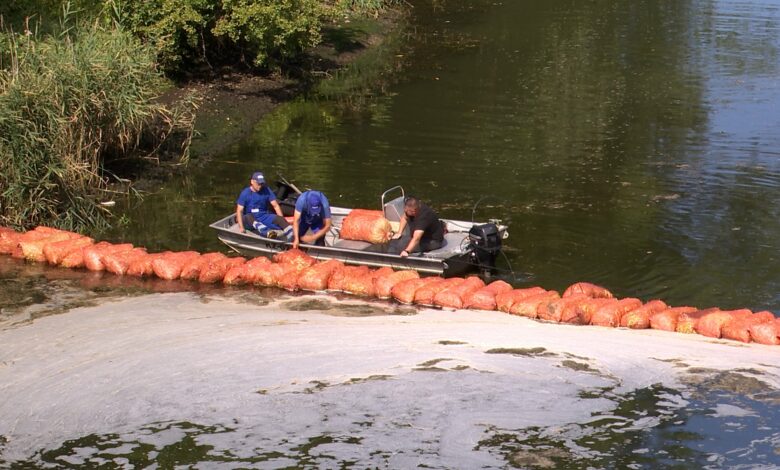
(57, 251)
(119, 262)
(295, 256)
(739, 329)
(452, 297)
(75, 259)
(365, 225)
(93, 255)
(485, 298)
(32, 248)
(9, 239)
(667, 319)
(271, 274)
(586, 288)
(640, 318)
(585, 308)
(505, 300)
(142, 266)
(192, 268)
(425, 294)
(561, 310)
(611, 313)
(766, 333)
(288, 280)
(336, 280)
(254, 267)
(529, 306)
(237, 274)
(712, 323)
(687, 321)
(315, 277)
(364, 285)
(383, 285)
(404, 290)
(215, 271)
(169, 265)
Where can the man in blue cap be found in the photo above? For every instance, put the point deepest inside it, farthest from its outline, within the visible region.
(311, 220)
(252, 210)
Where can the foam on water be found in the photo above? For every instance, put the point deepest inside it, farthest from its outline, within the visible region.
(160, 377)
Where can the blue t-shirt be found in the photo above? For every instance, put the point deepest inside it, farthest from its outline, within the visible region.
(302, 206)
(256, 203)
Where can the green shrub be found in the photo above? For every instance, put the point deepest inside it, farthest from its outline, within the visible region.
(185, 33)
(69, 105)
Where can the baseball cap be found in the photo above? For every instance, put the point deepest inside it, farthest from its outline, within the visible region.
(315, 203)
(257, 176)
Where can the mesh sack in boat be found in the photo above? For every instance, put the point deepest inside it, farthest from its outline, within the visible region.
(119, 262)
(452, 296)
(640, 318)
(610, 314)
(365, 225)
(485, 298)
(591, 290)
(169, 265)
(739, 329)
(383, 285)
(315, 277)
(505, 300)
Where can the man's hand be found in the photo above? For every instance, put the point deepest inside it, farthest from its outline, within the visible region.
(395, 236)
(295, 243)
(404, 254)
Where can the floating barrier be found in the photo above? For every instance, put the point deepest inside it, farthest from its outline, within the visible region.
(582, 303)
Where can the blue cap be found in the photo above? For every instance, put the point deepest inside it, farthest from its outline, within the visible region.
(315, 203)
(257, 176)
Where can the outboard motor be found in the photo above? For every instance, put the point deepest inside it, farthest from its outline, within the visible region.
(485, 240)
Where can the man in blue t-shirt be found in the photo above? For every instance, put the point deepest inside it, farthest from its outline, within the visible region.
(311, 220)
(252, 210)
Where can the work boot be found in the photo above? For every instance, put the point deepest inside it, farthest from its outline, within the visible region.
(275, 234)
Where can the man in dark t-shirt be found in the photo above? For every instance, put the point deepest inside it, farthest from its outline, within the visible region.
(425, 229)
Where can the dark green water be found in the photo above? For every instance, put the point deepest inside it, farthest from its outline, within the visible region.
(634, 144)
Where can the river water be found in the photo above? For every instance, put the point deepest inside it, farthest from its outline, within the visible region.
(631, 144)
(634, 144)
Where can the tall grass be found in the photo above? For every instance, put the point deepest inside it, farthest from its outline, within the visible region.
(70, 104)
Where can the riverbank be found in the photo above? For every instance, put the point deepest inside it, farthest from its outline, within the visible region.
(234, 100)
(187, 379)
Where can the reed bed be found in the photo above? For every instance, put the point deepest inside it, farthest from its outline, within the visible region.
(70, 105)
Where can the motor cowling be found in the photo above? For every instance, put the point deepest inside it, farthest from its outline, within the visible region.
(485, 241)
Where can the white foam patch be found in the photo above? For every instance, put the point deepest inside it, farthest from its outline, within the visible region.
(395, 385)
